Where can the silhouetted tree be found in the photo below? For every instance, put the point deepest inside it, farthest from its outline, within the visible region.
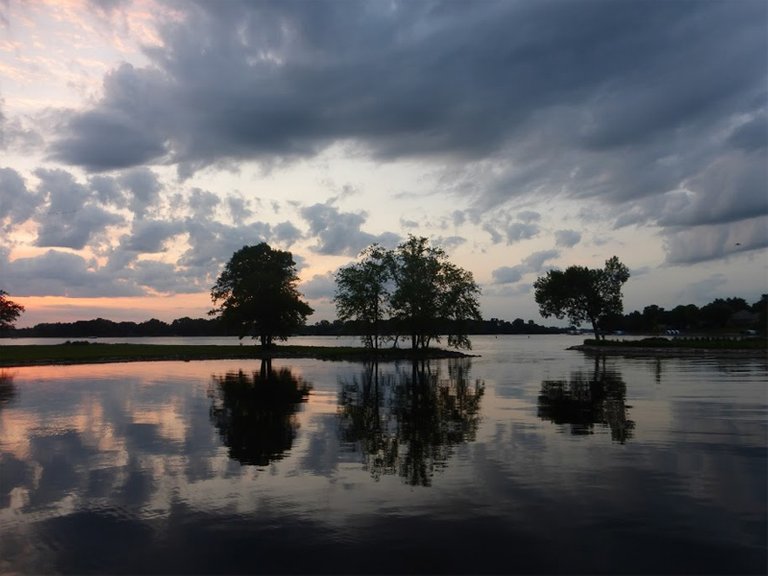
(717, 313)
(256, 293)
(683, 317)
(255, 413)
(761, 309)
(362, 293)
(424, 294)
(653, 317)
(429, 289)
(9, 311)
(583, 294)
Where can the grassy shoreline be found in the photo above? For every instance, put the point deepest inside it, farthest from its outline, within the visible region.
(98, 353)
(751, 347)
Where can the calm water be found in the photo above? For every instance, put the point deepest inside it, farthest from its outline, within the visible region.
(530, 458)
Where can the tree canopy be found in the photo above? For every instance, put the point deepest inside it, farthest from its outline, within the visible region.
(583, 294)
(362, 293)
(415, 287)
(256, 294)
(9, 311)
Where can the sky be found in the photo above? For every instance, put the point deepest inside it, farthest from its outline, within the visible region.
(143, 142)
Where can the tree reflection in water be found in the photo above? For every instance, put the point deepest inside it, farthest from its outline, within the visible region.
(7, 388)
(409, 421)
(588, 399)
(255, 414)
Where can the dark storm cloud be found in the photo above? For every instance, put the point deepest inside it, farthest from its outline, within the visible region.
(751, 135)
(617, 100)
(127, 129)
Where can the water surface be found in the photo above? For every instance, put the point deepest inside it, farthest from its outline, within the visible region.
(528, 459)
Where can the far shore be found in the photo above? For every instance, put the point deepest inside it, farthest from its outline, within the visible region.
(84, 352)
(80, 352)
(750, 347)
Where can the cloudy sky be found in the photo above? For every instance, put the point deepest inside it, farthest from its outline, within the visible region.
(143, 142)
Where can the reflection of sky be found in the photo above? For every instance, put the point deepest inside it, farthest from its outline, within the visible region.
(128, 452)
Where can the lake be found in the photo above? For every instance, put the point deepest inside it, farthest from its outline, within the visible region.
(527, 459)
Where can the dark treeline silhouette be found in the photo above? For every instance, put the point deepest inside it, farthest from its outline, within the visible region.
(722, 314)
(492, 326)
(101, 328)
(107, 328)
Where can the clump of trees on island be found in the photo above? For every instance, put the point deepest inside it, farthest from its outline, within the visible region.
(415, 288)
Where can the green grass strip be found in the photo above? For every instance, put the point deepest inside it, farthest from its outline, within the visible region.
(87, 353)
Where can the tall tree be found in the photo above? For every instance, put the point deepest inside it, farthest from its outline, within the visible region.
(9, 311)
(256, 293)
(583, 294)
(362, 293)
(430, 290)
(415, 301)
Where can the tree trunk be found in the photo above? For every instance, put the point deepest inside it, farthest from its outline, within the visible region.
(598, 334)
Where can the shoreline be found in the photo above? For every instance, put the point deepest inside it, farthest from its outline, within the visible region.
(98, 353)
(671, 351)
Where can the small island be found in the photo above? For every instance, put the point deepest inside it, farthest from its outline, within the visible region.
(84, 352)
(659, 346)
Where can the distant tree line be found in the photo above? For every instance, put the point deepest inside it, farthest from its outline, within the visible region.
(412, 292)
(101, 328)
(471, 327)
(722, 314)
(186, 327)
